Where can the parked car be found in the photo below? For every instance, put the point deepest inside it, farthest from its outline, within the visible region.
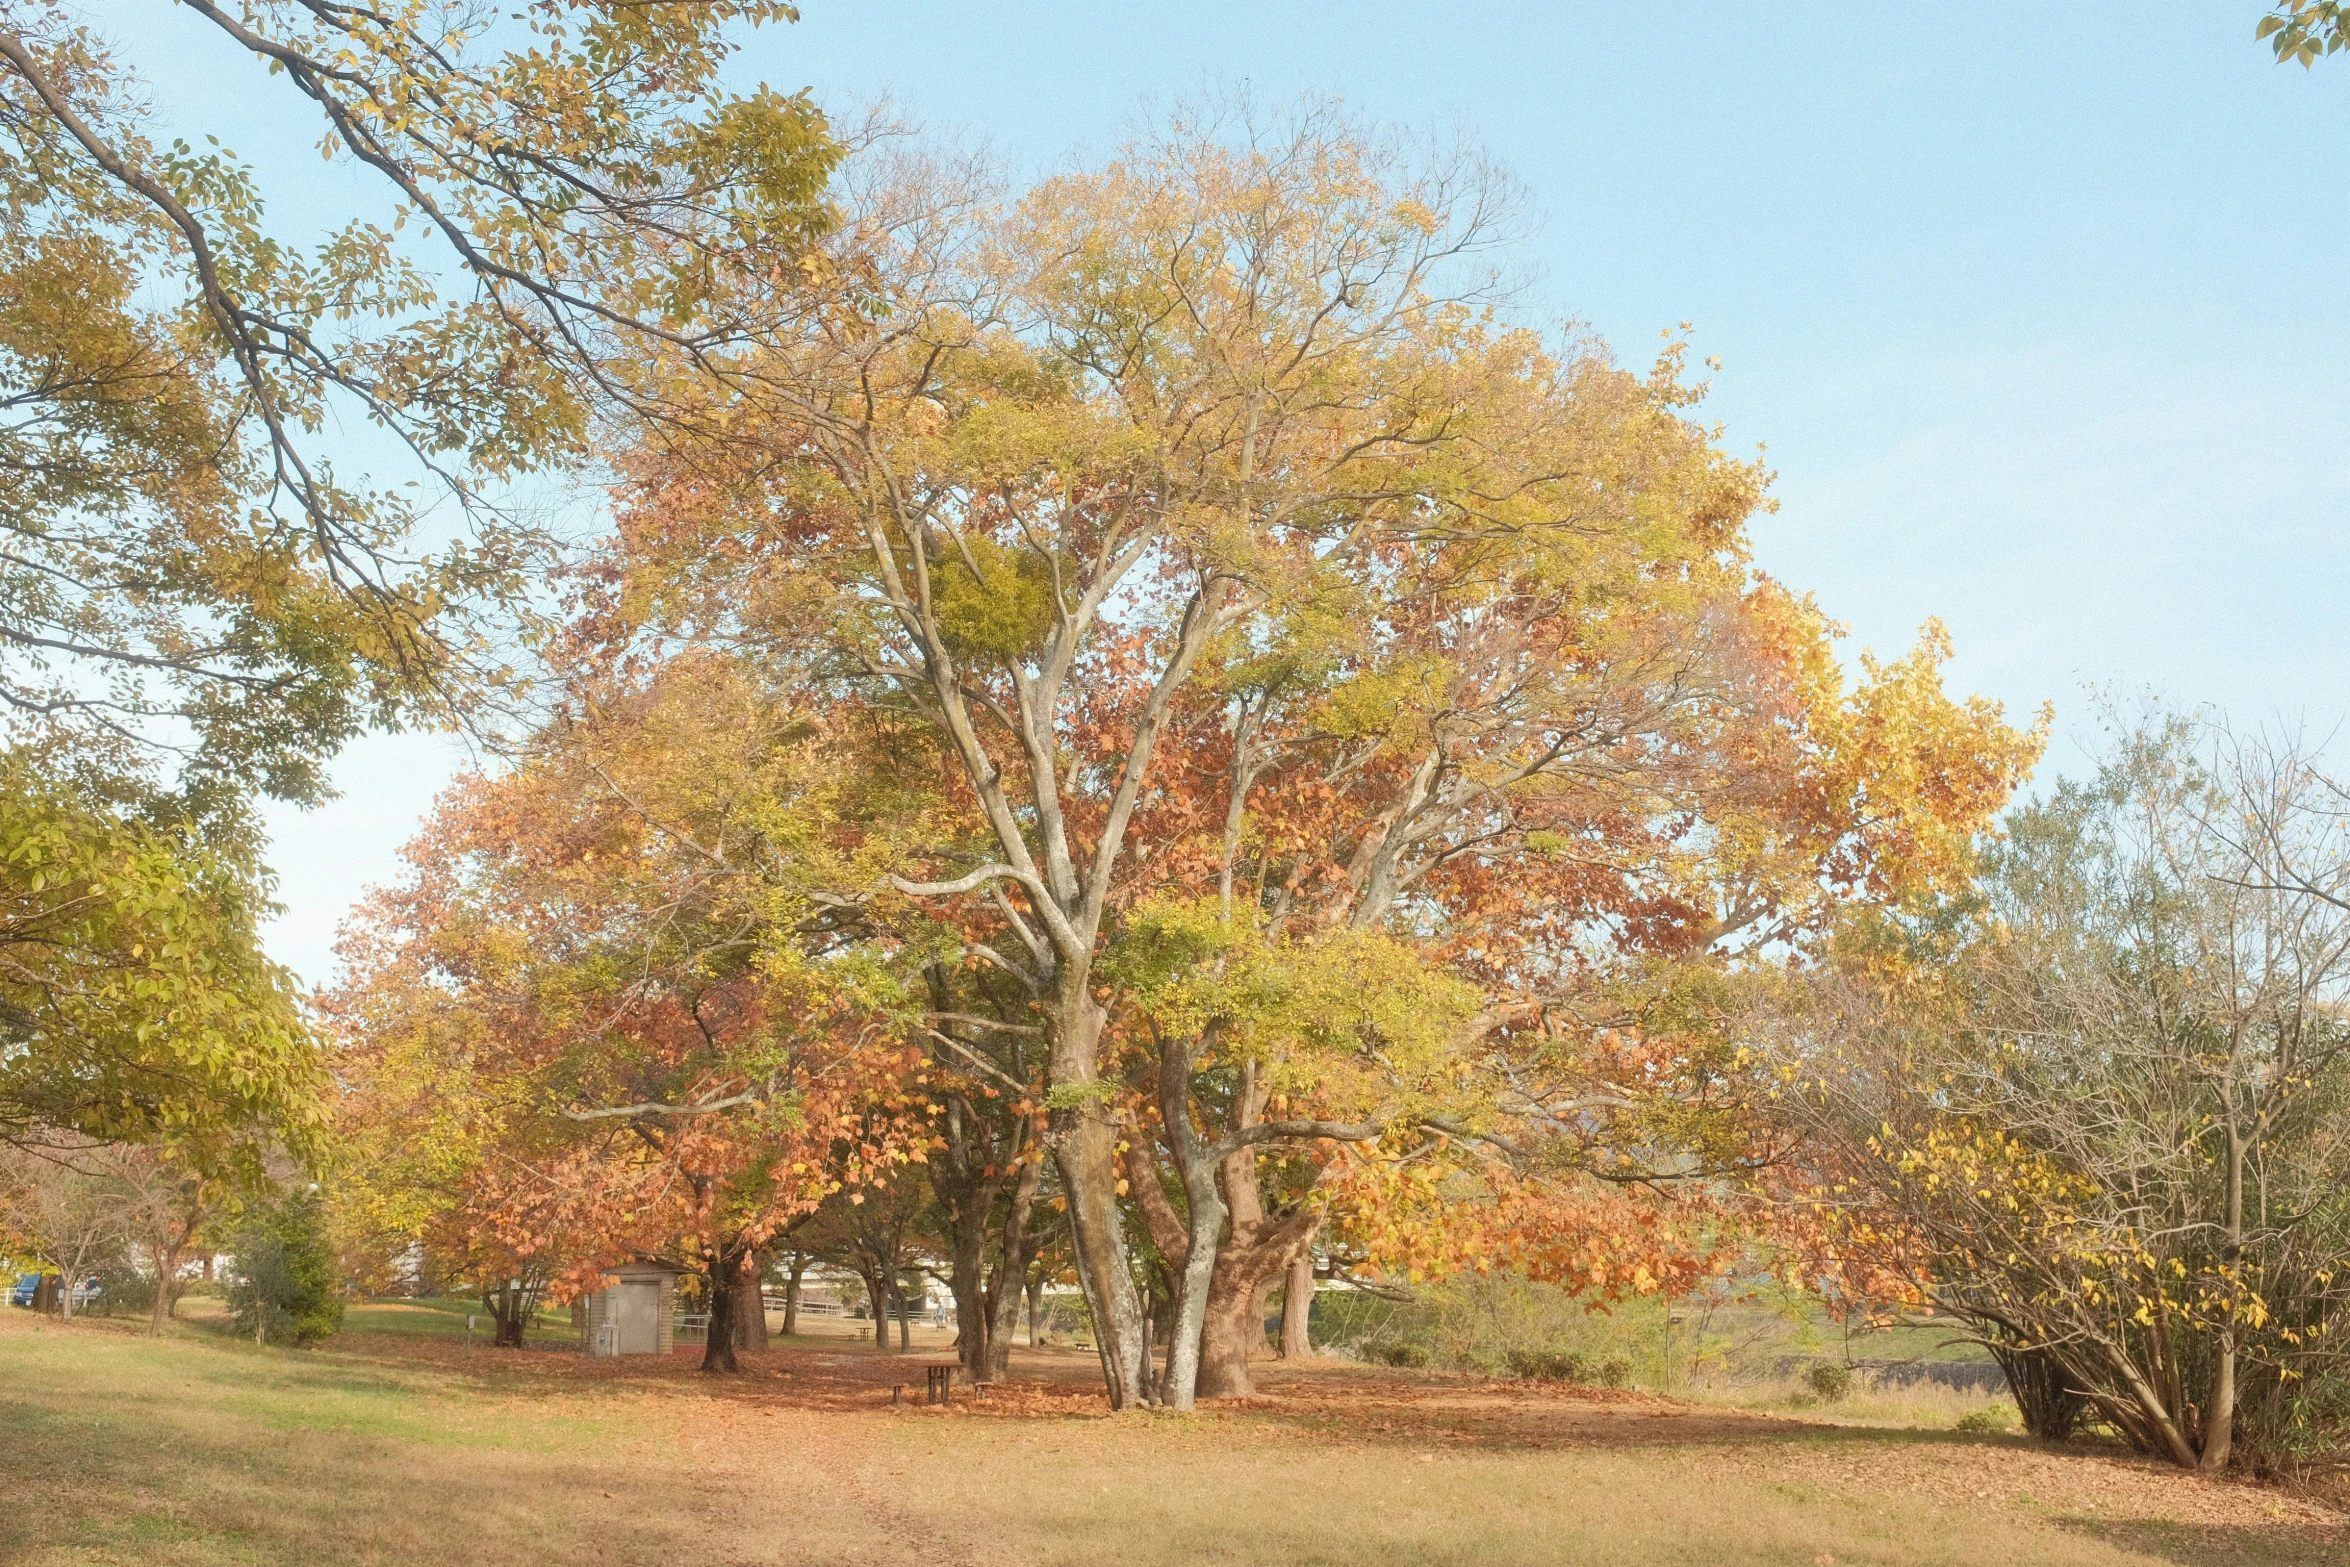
(21, 1292)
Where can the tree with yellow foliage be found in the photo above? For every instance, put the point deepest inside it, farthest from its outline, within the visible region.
(2097, 1114)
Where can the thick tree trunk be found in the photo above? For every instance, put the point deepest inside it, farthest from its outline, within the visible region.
(1194, 1299)
(1261, 1301)
(728, 1281)
(750, 1308)
(1256, 1255)
(1003, 1312)
(1085, 1149)
(1225, 1253)
(1231, 1329)
(1199, 1262)
(1189, 1242)
(1035, 1294)
(2219, 1422)
(1234, 1328)
(1003, 1324)
(1297, 1308)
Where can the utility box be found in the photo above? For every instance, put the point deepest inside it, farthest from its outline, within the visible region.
(635, 1313)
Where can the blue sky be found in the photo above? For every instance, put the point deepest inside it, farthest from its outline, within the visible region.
(2038, 309)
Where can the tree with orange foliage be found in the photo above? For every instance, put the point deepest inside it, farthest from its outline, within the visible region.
(615, 1011)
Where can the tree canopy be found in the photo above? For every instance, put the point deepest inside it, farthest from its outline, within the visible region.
(1337, 727)
(136, 1003)
(199, 568)
(257, 485)
(2303, 31)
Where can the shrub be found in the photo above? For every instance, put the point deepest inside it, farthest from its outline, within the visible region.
(1829, 1380)
(123, 1287)
(1542, 1365)
(2301, 1432)
(1990, 1421)
(1412, 1357)
(285, 1270)
(1549, 1365)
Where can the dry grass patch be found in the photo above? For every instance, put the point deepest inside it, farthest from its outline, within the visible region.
(195, 1449)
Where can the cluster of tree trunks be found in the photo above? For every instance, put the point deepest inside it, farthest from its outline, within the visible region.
(512, 1303)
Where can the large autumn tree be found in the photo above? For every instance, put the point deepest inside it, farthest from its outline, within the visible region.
(1208, 523)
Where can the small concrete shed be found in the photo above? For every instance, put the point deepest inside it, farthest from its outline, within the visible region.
(635, 1313)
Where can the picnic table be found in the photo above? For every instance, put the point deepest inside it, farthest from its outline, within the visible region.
(938, 1383)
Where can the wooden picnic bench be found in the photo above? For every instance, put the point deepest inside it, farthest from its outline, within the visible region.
(938, 1384)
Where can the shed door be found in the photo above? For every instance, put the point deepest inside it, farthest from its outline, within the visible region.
(636, 1311)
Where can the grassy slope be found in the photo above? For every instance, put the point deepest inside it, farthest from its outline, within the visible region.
(382, 1448)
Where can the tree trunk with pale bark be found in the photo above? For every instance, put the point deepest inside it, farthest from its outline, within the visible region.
(1225, 1252)
(1085, 1150)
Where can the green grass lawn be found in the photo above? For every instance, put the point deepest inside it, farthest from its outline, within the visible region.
(401, 1444)
(444, 1317)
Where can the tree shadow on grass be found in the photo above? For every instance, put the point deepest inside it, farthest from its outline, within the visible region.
(2202, 1544)
(1510, 1420)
